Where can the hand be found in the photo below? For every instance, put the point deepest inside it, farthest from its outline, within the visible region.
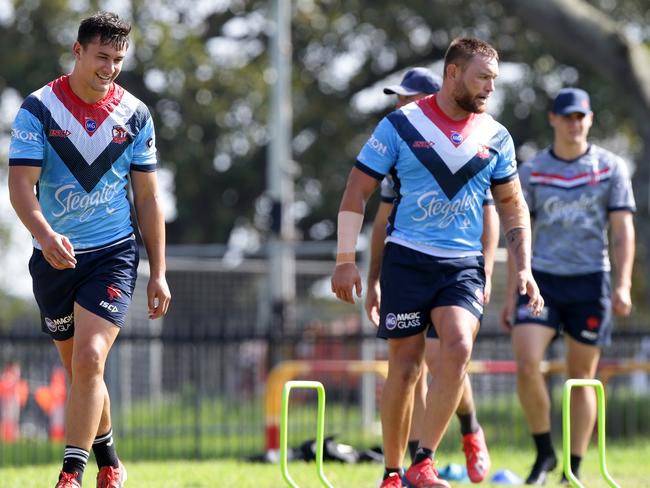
(622, 301)
(345, 277)
(373, 296)
(526, 285)
(58, 251)
(158, 297)
(508, 313)
(487, 291)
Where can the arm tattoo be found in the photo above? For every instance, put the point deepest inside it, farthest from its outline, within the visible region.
(518, 240)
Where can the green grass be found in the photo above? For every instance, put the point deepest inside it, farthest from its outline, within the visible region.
(628, 464)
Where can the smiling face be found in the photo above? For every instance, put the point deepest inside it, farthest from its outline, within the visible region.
(96, 67)
(474, 82)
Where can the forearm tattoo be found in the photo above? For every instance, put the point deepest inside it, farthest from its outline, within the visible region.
(518, 242)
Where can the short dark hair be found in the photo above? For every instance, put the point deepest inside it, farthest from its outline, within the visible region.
(110, 28)
(462, 49)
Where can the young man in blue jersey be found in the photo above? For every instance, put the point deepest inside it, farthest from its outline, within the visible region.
(416, 84)
(575, 191)
(443, 152)
(79, 140)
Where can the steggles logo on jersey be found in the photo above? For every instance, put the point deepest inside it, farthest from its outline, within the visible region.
(70, 200)
(571, 213)
(444, 211)
(119, 134)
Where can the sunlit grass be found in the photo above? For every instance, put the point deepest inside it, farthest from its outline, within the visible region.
(628, 464)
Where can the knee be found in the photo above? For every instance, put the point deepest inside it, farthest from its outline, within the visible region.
(406, 371)
(527, 367)
(456, 354)
(87, 364)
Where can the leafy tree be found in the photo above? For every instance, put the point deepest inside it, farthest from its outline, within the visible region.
(203, 70)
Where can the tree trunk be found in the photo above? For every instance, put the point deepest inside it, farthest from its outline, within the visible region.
(577, 31)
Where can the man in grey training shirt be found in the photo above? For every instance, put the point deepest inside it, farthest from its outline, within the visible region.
(576, 191)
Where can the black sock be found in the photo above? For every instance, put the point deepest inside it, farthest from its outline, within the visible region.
(74, 461)
(544, 445)
(388, 471)
(468, 423)
(104, 450)
(421, 454)
(575, 466)
(413, 446)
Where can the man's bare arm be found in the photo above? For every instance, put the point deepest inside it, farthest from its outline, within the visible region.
(515, 219)
(57, 249)
(623, 249)
(346, 276)
(376, 252)
(489, 241)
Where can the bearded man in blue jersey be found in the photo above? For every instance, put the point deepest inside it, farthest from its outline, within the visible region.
(417, 83)
(78, 140)
(443, 153)
(576, 191)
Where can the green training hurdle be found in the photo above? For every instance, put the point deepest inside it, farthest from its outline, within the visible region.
(566, 430)
(320, 430)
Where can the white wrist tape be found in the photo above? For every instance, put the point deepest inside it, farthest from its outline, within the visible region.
(349, 226)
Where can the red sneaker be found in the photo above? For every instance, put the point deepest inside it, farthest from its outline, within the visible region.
(424, 475)
(67, 480)
(477, 457)
(394, 480)
(110, 477)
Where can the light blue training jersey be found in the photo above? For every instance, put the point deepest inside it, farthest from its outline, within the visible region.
(570, 203)
(85, 153)
(441, 171)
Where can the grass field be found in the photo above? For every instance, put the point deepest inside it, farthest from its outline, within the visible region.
(628, 464)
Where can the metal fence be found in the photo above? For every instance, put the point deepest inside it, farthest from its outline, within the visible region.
(194, 385)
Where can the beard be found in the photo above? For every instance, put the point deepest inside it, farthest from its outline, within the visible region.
(468, 102)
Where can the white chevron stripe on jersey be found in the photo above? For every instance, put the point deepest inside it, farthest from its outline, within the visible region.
(89, 146)
(563, 182)
(454, 157)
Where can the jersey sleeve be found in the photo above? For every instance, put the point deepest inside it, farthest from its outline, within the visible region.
(144, 147)
(489, 199)
(506, 165)
(387, 192)
(621, 196)
(380, 152)
(27, 143)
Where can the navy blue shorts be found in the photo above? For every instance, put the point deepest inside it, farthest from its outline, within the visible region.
(102, 283)
(579, 305)
(413, 283)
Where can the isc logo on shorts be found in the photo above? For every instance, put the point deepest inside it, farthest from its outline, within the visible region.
(59, 324)
(402, 320)
(108, 306)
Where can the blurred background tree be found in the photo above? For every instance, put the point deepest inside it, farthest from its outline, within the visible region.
(202, 67)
